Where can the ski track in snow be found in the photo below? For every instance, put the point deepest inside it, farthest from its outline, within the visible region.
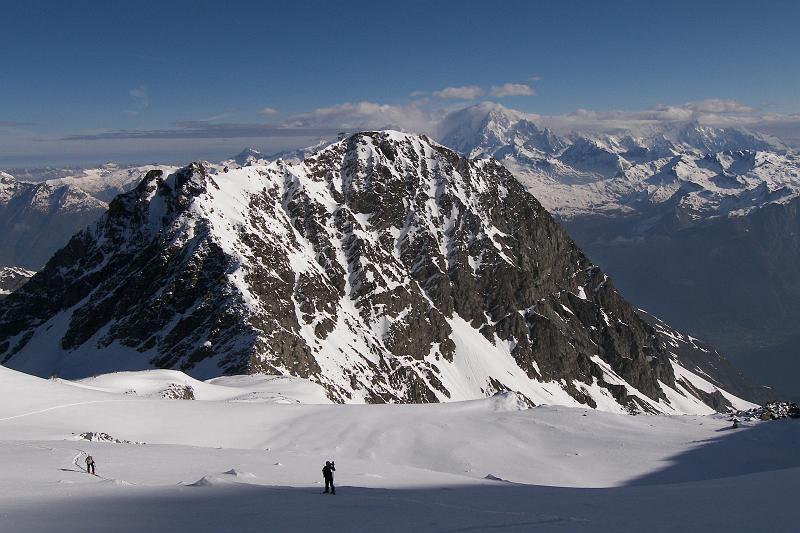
(56, 407)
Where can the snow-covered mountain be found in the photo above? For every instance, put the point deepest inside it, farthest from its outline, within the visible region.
(38, 218)
(251, 156)
(706, 362)
(109, 180)
(248, 156)
(699, 225)
(297, 156)
(690, 169)
(12, 278)
(40, 212)
(385, 267)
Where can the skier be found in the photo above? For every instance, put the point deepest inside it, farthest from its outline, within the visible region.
(735, 424)
(90, 465)
(327, 473)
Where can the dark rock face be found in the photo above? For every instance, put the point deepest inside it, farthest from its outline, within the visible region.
(704, 360)
(737, 284)
(771, 411)
(385, 267)
(177, 392)
(697, 224)
(38, 219)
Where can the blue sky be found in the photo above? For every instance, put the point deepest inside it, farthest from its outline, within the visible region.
(91, 81)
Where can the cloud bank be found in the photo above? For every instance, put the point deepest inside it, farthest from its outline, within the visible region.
(512, 89)
(467, 92)
(217, 137)
(422, 117)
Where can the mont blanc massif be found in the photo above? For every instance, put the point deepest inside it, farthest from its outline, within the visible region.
(391, 268)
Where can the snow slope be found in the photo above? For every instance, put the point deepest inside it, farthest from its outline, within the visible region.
(220, 465)
(247, 388)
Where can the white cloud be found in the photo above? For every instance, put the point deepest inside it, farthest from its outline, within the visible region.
(368, 115)
(511, 89)
(140, 100)
(711, 112)
(420, 116)
(268, 111)
(715, 105)
(219, 116)
(467, 92)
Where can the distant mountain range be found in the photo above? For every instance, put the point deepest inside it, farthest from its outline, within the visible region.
(687, 170)
(36, 219)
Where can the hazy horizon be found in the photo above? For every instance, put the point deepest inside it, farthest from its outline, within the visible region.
(152, 82)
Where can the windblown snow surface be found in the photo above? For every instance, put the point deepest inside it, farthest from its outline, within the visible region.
(246, 454)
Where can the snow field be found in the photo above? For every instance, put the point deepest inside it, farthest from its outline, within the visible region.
(220, 464)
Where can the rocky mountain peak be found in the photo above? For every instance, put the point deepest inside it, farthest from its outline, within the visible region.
(247, 156)
(385, 267)
(490, 129)
(8, 187)
(12, 278)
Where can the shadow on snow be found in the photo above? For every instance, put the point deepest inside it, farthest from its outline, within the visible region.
(763, 447)
(720, 485)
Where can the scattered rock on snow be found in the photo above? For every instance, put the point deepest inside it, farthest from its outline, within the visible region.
(239, 473)
(772, 411)
(178, 392)
(100, 436)
(492, 477)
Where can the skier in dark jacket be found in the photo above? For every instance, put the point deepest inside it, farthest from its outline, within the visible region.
(90, 465)
(327, 473)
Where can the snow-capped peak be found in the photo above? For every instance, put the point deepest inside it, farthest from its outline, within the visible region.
(384, 267)
(481, 129)
(700, 170)
(249, 156)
